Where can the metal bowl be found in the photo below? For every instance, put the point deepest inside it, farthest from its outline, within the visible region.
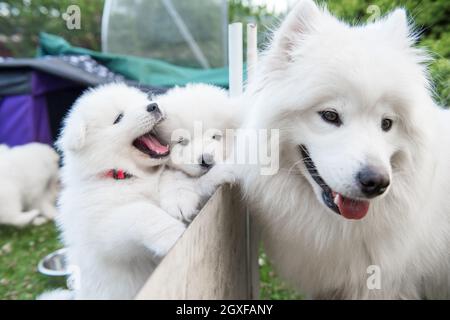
(54, 264)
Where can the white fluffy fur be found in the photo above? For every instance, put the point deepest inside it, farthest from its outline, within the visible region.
(365, 72)
(57, 294)
(186, 185)
(114, 230)
(28, 184)
(3, 147)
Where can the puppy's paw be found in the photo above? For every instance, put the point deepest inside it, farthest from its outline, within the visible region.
(167, 241)
(226, 174)
(217, 176)
(171, 207)
(185, 206)
(31, 215)
(188, 203)
(189, 213)
(39, 220)
(49, 212)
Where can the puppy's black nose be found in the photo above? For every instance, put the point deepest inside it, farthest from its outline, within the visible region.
(153, 107)
(373, 182)
(206, 160)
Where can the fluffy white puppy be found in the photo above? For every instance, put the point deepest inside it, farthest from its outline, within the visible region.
(359, 207)
(109, 215)
(197, 118)
(29, 184)
(3, 147)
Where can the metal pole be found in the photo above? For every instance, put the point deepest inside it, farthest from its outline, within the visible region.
(235, 59)
(105, 24)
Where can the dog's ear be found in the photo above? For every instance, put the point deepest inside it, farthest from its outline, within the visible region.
(397, 26)
(73, 135)
(301, 20)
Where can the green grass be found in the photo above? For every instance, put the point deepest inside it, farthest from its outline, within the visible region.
(21, 250)
(271, 287)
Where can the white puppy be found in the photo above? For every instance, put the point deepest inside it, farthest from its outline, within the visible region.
(3, 147)
(29, 184)
(110, 220)
(360, 207)
(197, 118)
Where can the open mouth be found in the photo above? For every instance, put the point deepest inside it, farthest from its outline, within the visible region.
(346, 207)
(151, 146)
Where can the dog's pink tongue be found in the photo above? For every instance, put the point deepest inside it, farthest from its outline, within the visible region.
(352, 209)
(153, 144)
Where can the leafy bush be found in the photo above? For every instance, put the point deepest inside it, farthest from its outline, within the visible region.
(22, 20)
(430, 19)
(440, 71)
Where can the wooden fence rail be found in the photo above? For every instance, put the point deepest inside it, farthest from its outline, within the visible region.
(216, 258)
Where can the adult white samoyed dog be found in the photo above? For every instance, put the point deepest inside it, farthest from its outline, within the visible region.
(360, 206)
(110, 217)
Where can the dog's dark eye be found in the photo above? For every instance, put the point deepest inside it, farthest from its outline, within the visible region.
(331, 117)
(119, 117)
(386, 124)
(217, 137)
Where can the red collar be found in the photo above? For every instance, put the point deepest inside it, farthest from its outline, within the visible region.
(118, 174)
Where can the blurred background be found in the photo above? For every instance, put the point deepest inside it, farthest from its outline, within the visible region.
(136, 29)
(153, 42)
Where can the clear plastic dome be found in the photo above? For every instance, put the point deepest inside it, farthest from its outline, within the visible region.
(189, 33)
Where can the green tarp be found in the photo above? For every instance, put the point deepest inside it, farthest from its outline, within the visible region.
(146, 71)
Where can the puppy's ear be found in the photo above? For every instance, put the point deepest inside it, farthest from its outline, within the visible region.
(301, 20)
(73, 135)
(396, 25)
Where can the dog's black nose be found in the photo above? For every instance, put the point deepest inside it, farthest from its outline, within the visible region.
(373, 182)
(206, 160)
(153, 107)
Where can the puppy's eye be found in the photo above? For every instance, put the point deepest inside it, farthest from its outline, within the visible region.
(217, 136)
(331, 116)
(119, 117)
(386, 124)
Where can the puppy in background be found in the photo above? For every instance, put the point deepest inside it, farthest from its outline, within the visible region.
(110, 220)
(3, 147)
(197, 118)
(29, 184)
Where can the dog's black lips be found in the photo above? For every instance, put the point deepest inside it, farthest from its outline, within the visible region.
(327, 193)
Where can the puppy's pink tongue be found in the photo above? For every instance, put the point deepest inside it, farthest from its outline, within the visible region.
(153, 144)
(352, 209)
